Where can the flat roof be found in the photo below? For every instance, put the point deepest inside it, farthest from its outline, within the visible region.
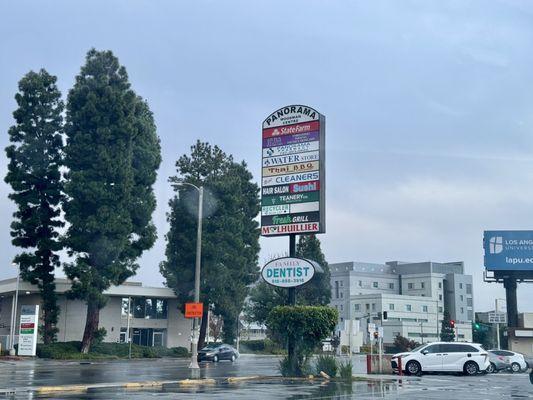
(131, 288)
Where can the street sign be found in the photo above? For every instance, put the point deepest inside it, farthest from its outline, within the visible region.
(29, 319)
(194, 310)
(371, 328)
(380, 331)
(293, 172)
(497, 318)
(508, 250)
(289, 271)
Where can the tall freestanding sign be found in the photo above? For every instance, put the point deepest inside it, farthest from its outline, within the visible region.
(293, 172)
(29, 320)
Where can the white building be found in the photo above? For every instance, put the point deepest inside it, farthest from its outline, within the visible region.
(413, 295)
(155, 319)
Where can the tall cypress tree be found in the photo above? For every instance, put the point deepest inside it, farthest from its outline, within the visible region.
(230, 237)
(112, 155)
(447, 333)
(35, 157)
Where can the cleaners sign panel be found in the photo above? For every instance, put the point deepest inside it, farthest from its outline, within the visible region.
(293, 173)
(508, 250)
(288, 272)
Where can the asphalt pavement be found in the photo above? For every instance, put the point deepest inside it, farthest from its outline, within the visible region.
(18, 377)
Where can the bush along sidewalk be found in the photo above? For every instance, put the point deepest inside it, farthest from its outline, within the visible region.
(71, 351)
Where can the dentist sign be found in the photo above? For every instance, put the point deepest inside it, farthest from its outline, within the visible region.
(289, 272)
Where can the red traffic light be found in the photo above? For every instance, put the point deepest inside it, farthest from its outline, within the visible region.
(452, 323)
(376, 335)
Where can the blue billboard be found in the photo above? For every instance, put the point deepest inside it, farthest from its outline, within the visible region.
(508, 250)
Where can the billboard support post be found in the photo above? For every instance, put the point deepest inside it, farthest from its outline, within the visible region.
(509, 284)
(292, 301)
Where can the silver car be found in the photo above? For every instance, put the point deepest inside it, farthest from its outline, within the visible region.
(498, 363)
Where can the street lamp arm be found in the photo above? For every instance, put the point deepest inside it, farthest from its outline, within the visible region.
(181, 183)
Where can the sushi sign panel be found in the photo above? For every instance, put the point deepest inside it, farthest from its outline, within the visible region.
(293, 174)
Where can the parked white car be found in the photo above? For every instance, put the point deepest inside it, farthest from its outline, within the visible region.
(517, 360)
(469, 358)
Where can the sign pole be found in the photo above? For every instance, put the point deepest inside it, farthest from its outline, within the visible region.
(292, 301)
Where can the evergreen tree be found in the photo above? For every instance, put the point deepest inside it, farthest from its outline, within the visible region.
(230, 237)
(317, 292)
(447, 332)
(35, 157)
(112, 155)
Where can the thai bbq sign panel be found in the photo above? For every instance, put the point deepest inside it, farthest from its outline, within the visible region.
(293, 172)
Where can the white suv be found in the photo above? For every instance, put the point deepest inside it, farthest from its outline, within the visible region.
(469, 358)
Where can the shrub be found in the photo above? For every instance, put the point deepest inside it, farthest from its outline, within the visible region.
(265, 346)
(302, 368)
(327, 364)
(71, 350)
(180, 352)
(346, 371)
(306, 325)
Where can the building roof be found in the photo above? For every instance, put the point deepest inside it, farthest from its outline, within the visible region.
(134, 289)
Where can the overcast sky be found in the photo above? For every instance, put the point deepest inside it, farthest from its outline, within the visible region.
(429, 108)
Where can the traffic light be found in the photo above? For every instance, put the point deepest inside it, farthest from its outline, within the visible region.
(452, 323)
(385, 315)
(477, 326)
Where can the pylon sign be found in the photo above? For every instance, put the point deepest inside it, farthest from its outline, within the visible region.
(293, 172)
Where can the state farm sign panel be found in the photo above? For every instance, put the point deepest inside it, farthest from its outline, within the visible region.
(293, 172)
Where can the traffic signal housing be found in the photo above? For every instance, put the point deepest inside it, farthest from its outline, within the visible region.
(385, 315)
(452, 323)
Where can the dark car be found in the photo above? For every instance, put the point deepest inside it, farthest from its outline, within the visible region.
(216, 352)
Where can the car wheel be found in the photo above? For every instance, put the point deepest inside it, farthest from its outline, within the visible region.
(471, 368)
(515, 367)
(232, 357)
(413, 368)
(491, 369)
(215, 359)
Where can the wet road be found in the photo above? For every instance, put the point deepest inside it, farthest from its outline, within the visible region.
(41, 373)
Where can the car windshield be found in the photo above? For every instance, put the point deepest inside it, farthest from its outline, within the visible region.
(418, 348)
(210, 346)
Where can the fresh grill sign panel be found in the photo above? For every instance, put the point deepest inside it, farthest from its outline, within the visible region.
(293, 172)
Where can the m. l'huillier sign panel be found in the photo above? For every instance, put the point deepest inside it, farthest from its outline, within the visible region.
(293, 172)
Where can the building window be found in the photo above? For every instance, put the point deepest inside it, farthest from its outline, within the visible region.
(357, 307)
(367, 306)
(469, 301)
(462, 310)
(470, 315)
(440, 309)
(425, 308)
(373, 306)
(422, 285)
(440, 296)
(342, 308)
(440, 285)
(461, 298)
(125, 302)
(146, 308)
(342, 283)
(375, 284)
(391, 285)
(391, 307)
(468, 288)
(342, 295)
(360, 283)
(408, 307)
(460, 286)
(336, 289)
(410, 286)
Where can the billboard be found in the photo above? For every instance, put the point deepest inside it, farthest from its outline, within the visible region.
(508, 250)
(293, 172)
(289, 271)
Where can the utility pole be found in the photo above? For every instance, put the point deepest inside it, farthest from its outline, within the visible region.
(129, 327)
(292, 301)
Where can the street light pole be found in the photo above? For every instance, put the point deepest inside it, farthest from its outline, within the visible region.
(195, 334)
(14, 307)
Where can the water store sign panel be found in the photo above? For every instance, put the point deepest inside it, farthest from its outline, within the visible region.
(293, 172)
(508, 250)
(29, 319)
(289, 272)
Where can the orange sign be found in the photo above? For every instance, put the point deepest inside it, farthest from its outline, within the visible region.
(194, 310)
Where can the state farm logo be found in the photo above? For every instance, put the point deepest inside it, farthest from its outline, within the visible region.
(276, 132)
